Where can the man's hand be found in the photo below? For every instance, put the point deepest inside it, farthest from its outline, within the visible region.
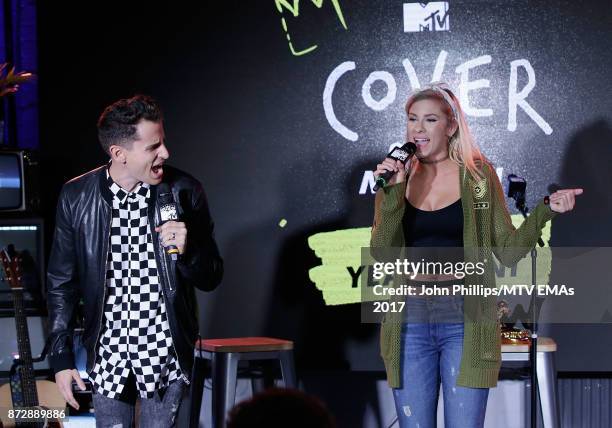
(64, 379)
(563, 200)
(173, 233)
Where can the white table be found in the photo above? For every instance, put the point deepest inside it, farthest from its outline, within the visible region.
(545, 371)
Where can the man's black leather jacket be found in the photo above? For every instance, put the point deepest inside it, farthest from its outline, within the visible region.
(77, 264)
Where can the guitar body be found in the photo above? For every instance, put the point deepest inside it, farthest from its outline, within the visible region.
(49, 396)
(24, 390)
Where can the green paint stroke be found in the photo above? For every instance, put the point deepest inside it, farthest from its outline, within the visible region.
(341, 249)
(338, 250)
(523, 271)
(294, 9)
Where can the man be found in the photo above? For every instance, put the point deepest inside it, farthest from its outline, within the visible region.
(109, 250)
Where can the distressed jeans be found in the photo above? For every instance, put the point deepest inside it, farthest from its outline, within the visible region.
(432, 344)
(157, 412)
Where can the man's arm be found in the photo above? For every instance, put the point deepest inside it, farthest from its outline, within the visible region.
(61, 300)
(61, 288)
(200, 265)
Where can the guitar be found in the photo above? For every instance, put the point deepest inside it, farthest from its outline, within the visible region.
(24, 391)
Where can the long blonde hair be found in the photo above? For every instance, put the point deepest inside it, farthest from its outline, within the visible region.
(462, 149)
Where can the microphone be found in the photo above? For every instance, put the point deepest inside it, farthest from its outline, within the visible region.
(517, 190)
(402, 154)
(167, 211)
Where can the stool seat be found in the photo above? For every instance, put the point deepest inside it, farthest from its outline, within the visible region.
(545, 344)
(244, 344)
(224, 356)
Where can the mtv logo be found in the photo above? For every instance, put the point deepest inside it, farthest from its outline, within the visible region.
(431, 16)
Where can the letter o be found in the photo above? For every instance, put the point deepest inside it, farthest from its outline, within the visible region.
(367, 87)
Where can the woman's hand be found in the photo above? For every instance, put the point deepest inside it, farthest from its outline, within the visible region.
(564, 200)
(392, 165)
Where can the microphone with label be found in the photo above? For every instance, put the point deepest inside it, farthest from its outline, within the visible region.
(517, 190)
(402, 154)
(167, 211)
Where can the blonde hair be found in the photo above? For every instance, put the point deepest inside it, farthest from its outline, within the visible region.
(462, 149)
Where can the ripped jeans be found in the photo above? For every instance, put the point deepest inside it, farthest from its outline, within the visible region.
(157, 412)
(432, 344)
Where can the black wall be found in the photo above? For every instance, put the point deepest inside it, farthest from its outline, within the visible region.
(246, 117)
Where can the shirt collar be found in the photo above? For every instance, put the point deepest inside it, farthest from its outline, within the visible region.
(141, 191)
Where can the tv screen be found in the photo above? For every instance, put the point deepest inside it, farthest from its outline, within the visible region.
(11, 181)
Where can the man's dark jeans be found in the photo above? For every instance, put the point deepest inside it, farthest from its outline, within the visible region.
(157, 412)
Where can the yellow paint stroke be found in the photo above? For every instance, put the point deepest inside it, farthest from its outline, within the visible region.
(294, 9)
(338, 250)
(342, 248)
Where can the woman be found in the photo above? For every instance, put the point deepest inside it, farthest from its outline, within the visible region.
(448, 196)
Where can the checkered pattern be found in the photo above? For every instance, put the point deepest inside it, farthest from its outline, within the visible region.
(136, 334)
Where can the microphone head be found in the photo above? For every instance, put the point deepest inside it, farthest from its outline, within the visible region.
(163, 188)
(164, 194)
(553, 187)
(516, 187)
(410, 147)
(167, 205)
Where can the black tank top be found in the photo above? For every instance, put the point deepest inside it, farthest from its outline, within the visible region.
(439, 228)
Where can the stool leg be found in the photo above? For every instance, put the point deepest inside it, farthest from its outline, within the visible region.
(547, 386)
(288, 369)
(197, 389)
(224, 371)
(259, 384)
(527, 403)
(269, 374)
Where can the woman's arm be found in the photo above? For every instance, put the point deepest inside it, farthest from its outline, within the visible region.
(511, 244)
(388, 212)
(389, 206)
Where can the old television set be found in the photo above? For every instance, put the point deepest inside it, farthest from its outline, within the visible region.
(12, 181)
(19, 184)
(24, 236)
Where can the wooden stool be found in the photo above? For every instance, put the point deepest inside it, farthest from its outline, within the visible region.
(547, 380)
(224, 355)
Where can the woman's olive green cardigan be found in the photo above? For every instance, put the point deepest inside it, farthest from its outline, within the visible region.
(487, 229)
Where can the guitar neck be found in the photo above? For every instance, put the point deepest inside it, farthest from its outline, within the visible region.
(11, 265)
(25, 351)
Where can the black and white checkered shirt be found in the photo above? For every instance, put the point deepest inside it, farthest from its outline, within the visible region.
(136, 334)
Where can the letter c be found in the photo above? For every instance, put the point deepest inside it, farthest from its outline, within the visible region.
(328, 107)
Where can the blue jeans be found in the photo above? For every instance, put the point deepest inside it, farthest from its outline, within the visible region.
(432, 344)
(157, 412)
